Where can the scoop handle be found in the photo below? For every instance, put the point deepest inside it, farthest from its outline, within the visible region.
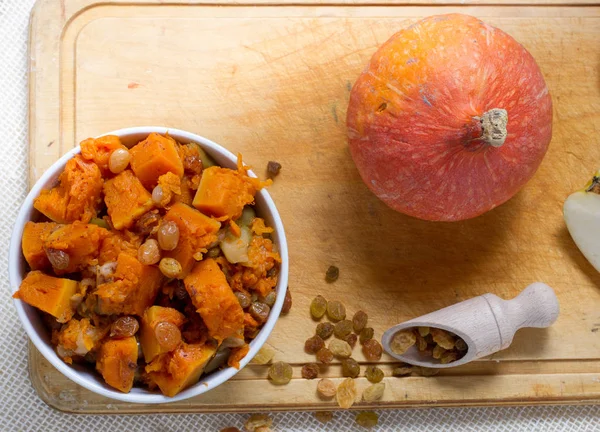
(536, 306)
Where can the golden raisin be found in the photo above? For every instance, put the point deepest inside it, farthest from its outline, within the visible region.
(287, 302)
(346, 393)
(372, 350)
(326, 388)
(313, 344)
(402, 341)
(359, 321)
(168, 335)
(124, 327)
(310, 371)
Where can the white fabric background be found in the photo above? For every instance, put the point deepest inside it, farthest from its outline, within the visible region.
(22, 410)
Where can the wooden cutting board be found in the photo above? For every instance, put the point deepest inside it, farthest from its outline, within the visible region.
(272, 81)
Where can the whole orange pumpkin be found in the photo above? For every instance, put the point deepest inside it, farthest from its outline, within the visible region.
(450, 119)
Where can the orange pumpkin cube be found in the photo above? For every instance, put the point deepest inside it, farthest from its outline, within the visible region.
(99, 150)
(49, 294)
(32, 243)
(153, 157)
(117, 242)
(180, 368)
(196, 231)
(133, 289)
(187, 193)
(152, 316)
(79, 241)
(214, 300)
(77, 197)
(117, 362)
(126, 199)
(224, 192)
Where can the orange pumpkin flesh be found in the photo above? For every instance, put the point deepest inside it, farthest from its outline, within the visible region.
(425, 119)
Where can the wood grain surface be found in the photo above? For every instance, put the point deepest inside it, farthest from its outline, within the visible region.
(272, 81)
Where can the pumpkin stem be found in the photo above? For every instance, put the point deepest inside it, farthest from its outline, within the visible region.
(493, 126)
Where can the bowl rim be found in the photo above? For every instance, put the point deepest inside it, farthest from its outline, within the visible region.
(214, 379)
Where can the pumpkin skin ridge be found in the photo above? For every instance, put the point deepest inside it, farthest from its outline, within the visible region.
(378, 136)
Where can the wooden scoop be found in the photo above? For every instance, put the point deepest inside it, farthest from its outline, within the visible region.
(486, 323)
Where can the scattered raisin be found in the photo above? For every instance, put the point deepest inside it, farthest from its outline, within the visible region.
(58, 259)
(351, 339)
(367, 419)
(332, 274)
(427, 372)
(372, 350)
(124, 327)
(318, 307)
(342, 329)
(310, 371)
(374, 374)
(340, 348)
(168, 235)
(374, 392)
(170, 267)
(326, 388)
(147, 222)
(313, 344)
(273, 169)
(324, 330)
(366, 334)
(148, 253)
(324, 355)
(287, 302)
(359, 321)
(280, 373)
(350, 368)
(346, 393)
(402, 369)
(258, 423)
(336, 311)
(324, 416)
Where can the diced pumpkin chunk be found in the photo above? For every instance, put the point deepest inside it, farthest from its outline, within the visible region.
(224, 192)
(133, 289)
(117, 362)
(79, 241)
(153, 157)
(214, 300)
(196, 231)
(126, 199)
(180, 368)
(117, 242)
(32, 243)
(99, 150)
(77, 197)
(187, 193)
(49, 294)
(152, 316)
(77, 338)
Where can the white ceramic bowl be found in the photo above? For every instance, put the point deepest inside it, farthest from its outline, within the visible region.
(87, 378)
